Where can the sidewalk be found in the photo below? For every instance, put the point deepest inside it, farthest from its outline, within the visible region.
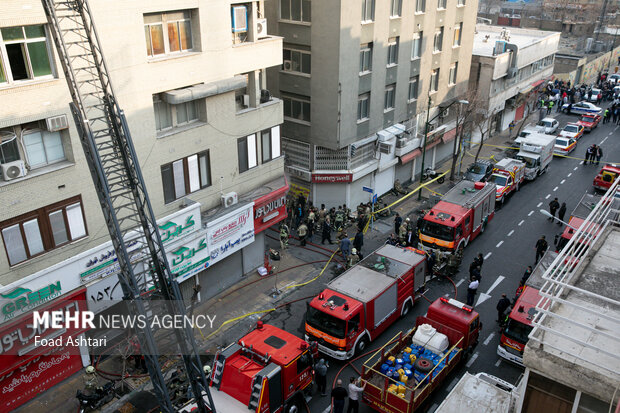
(254, 293)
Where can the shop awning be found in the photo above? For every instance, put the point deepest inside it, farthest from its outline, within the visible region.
(532, 86)
(410, 156)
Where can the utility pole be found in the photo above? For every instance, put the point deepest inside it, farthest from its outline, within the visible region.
(428, 112)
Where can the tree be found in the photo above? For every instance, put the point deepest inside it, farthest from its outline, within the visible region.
(465, 115)
(531, 103)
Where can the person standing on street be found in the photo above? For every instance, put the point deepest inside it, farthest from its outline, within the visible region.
(472, 288)
(561, 213)
(345, 249)
(326, 231)
(502, 305)
(541, 247)
(354, 394)
(589, 154)
(553, 207)
(302, 231)
(606, 116)
(479, 260)
(339, 393)
(598, 153)
(397, 221)
(527, 274)
(320, 369)
(358, 242)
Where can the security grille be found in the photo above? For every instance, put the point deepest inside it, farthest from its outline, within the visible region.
(363, 155)
(296, 153)
(330, 160)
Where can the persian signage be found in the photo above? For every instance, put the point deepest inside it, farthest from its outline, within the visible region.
(231, 232)
(270, 209)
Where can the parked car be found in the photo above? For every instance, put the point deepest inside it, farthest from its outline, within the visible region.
(548, 125)
(564, 146)
(572, 130)
(597, 94)
(589, 122)
(479, 171)
(581, 108)
(614, 79)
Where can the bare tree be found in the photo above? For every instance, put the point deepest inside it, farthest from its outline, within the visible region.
(465, 115)
(531, 103)
(483, 122)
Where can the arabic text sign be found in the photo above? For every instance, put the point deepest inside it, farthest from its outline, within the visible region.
(189, 257)
(179, 224)
(230, 232)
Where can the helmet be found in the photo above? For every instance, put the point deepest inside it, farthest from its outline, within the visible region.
(90, 370)
(353, 251)
(206, 369)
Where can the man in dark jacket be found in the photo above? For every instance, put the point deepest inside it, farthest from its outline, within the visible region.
(561, 213)
(339, 394)
(502, 305)
(553, 207)
(541, 247)
(358, 242)
(397, 222)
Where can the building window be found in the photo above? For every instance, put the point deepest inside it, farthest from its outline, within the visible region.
(420, 6)
(295, 10)
(390, 92)
(416, 50)
(24, 54)
(397, 8)
(434, 80)
(441, 4)
(363, 107)
(246, 149)
(169, 116)
(368, 10)
(270, 144)
(392, 58)
(366, 58)
(453, 72)
(9, 151)
(297, 61)
(438, 40)
(457, 35)
(460, 2)
(296, 109)
(185, 176)
(168, 33)
(43, 148)
(413, 88)
(44, 229)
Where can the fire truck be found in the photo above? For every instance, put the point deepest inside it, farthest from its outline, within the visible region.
(577, 218)
(459, 217)
(266, 371)
(363, 301)
(508, 175)
(404, 373)
(606, 177)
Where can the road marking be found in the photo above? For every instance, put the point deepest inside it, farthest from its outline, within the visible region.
(452, 384)
(568, 176)
(488, 255)
(495, 284)
(539, 204)
(530, 214)
(603, 141)
(548, 195)
(485, 296)
(521, 223)
(329, 409)
(459, 282)
(555, 189)
(562, 181)
(610, 133)
(498, 363)
(576, 167)
(499, 244)
(472, 359)
(488, 340)
(511, 232)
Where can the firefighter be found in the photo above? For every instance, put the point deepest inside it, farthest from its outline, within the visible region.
(90, 378)
(354, 258)
(339, 219)
(302, 231)
(398, 188)
(402, 232)
(385, 211)
(284, 233)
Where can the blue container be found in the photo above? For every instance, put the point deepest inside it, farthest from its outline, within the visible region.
(408, 373)
(407, 366)
(384, 368)
(400, 361)
(398, 367)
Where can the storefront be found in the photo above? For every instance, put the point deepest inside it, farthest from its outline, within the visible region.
(27, 370)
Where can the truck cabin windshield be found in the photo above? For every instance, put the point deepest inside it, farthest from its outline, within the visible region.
(499, 180)
(529, 162)
(436, 230)
(326, 323)
(517, 331)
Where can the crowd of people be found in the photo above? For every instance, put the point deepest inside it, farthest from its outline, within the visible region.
(559, 93)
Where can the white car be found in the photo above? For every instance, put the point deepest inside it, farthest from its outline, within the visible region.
(596, 94)
(581, 108)
(548, 125)
(572, 131)
(564, 146)
(614, 79)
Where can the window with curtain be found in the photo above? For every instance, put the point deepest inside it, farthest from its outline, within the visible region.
(185, 176)
(413, 88)
(25, 54)
(270, 144)
(363, 107)
(169, 116)
(420, 6)
(43, 229)
(438, 40)
(441, 4)
(457, 35)
(296, 109)
(392, 58)
(366, 58)
(396, 8)
(434, 80)
(43, 148)
(453, 73)
(416, 48)
(295, 10)
(168, 33)
(390, 96)
(368, 10)
(247, 153)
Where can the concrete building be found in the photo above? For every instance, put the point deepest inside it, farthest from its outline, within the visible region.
(355, 82)
(508, 64)
(572, 357)
(189, 77)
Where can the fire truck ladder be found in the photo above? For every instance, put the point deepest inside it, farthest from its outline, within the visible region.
(122, 193)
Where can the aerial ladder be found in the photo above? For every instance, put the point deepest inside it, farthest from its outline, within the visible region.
(147, 282)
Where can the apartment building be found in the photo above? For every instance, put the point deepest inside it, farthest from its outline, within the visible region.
(190, 76)
(355, 82)
(506, 65)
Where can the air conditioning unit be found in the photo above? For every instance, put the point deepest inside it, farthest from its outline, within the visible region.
(13, 170)
(385, 147)
(56, 123)
(229, 199)
(402, 142)
(288, 65)
(261, 28)
(239, 19)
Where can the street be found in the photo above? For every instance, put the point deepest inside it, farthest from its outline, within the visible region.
(508, 248)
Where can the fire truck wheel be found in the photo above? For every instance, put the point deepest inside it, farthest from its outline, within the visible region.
(294, 406)
(424, 365)
(406, 309)
(361, 345)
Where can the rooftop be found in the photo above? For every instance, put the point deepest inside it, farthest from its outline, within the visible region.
(576, 340)
(483, 45)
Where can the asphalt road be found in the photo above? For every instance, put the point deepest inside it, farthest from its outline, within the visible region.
(508, 247)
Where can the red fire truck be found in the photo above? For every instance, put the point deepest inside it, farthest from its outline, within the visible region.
(362, 302)
(459, 217)
(266, 371)
(606, 177)
(508, 175)
(402, 374)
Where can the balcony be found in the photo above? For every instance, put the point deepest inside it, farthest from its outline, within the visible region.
(259, 54)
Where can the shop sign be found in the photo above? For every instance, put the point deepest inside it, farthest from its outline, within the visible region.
(189, 258)
(297, 190)
(230, 233)
(179, 224)
(331, 178)
(270, 209)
